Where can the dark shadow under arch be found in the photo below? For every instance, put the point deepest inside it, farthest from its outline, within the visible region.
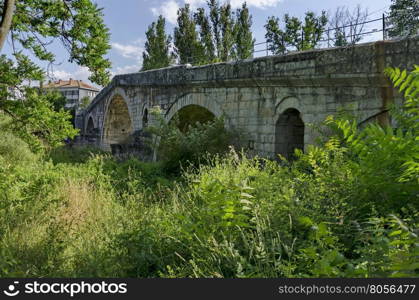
(289, 133)
(190, 115)
(145, 118)
(90, 126)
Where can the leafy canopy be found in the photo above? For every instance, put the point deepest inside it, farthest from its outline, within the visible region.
(404, 18)
(156, 54)
(32, 26)
(297, 34)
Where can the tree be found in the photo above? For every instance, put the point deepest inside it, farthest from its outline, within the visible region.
(78, 24)
(243, 33)
(312, 31)
(298, 35)
(8, 8)
(156, 54)
(227, 34)
(187, 46)
(275, 37)
(32, 26)
(205, 34)
(223, 35)
(84, 102)
(348, 26)
(214, 7)
(404, 18)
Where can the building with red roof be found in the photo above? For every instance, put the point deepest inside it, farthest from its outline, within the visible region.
(74, 91)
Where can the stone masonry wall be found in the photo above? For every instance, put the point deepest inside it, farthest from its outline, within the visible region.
(252, 94)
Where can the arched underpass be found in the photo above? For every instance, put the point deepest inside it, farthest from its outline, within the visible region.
(118, 126)
(90, 126)
(289, 133)
(191, 115)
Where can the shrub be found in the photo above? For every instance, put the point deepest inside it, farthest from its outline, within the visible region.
(181, 148)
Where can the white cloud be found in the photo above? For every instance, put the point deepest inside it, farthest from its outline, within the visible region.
(126, 69)
(262, 4)
(196, 3)
(168, 9)
(82, 73)
(61, 74)
(133, 51)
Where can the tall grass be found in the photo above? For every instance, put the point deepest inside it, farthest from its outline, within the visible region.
(80, 213)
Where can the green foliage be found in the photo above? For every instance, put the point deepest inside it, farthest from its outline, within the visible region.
(407, 118)
(214, 12)
(404, 18)
(76, 155)
(275, 37)
(205, 34)
(58, 101)
(180, 145)
(243, 33)
(187, 46)
(223, 34)
(78, 25)
(84, 102)
(347, 207)
(35, 120)
(227, 32)
(156, 54)
(296, 35)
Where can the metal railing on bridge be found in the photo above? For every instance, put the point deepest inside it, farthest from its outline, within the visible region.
(379, 31)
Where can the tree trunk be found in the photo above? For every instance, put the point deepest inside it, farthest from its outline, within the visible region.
(6, 20)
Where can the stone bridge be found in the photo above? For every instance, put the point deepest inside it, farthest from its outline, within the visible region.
(271, 99)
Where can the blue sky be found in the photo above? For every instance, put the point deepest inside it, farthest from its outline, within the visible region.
(128, 20)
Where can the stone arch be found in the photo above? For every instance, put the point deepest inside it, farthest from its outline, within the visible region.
(192, 114)
(289, 127)
(197, 100)
(288, 102)
(118, 125)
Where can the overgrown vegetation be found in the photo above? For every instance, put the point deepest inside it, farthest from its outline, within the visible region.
(181, 145)
(345, 208)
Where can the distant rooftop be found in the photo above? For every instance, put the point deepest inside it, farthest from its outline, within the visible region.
(70, 83)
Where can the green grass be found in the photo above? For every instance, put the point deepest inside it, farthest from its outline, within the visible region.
(234, 217)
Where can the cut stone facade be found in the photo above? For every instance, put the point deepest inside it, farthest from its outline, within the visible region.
(271, 99)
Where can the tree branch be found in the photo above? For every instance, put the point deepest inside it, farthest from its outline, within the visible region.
(6, 20)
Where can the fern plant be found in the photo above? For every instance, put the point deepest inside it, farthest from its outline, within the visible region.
(386, 158)
(408, 117)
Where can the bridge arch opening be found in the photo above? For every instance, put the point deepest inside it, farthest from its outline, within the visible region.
(289, 133)
(145, 118)
(118, 125)
(90, 126)
(190, 115)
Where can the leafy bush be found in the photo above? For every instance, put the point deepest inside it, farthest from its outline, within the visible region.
(180, 148)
